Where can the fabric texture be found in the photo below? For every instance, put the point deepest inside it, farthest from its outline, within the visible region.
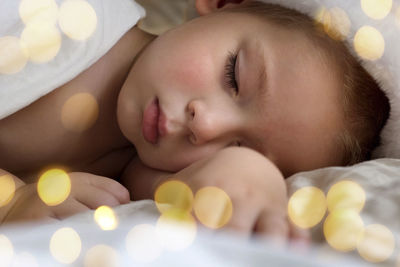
(35, 80)
(358, 17)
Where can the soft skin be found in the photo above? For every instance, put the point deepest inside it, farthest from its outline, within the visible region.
(288, 110)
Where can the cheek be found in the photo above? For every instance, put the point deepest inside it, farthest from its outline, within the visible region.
(190, 69)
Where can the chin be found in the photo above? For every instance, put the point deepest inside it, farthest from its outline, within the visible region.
(156, 162)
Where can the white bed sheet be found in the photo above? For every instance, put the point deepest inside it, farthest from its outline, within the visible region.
(208, 249)
(379, 179)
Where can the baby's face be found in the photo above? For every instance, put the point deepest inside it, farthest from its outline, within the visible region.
(179, 103)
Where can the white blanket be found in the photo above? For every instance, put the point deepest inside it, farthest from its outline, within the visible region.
(35, 80)
(31, 245)
(379, 179)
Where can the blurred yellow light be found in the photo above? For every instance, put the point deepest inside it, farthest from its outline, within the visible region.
(105, 218)
(77, 19)
(13, 57)
(6, 251)
(176, 229)
(80, 112)
(376, 9)
(142, 243)
(346, 195)
(65, 245)
(42, 41)
(212, 207)
(376, 244)
(7, 189)
(174, 193)
(54, 187)
(369, 43)
(307, 207)
(335, 21)
(24, 259)
(38, 10)
(320, 18)
(101, 256)
(343, 229)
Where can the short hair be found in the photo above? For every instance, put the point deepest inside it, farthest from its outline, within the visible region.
(365, 106)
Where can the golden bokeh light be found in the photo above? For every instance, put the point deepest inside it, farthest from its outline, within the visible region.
(65, 245)
(77, 19)
(176, 229)
(369, 43)
(342, 229)
(101, 256)
(42, 41)
(335, 22)
(7, 189)
(80, 112)
(142, 243)
(6, 251)
(54, 187)
(13, 57)
(25, 259)
(32, 11)
(307, 207)
(377, 243)
(376, 9)
(175, 194)
(346, 195)
(105, 218)
(212, 207)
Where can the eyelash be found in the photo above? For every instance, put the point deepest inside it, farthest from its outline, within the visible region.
(230, 72)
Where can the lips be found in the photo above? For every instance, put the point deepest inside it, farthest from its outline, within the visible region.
(154, 122)
(150, 122)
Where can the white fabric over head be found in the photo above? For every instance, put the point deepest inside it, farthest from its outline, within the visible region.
(34, 80)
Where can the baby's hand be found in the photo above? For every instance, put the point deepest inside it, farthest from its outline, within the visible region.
(255, 186)
(88, 191)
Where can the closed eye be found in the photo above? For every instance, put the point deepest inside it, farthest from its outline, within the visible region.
(230, 73)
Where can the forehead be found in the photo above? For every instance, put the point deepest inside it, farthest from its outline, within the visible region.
(300, 114)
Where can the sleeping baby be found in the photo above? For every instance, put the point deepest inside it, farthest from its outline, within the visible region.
(240, 98)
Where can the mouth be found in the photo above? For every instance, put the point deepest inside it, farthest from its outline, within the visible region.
(154, 122)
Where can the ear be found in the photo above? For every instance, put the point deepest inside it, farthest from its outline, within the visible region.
(205, 7)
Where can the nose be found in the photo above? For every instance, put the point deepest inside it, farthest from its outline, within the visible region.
(207, 123)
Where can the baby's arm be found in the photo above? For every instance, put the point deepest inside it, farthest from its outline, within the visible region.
(256, 187)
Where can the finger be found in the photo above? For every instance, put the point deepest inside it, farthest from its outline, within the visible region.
(94, 197)
(299, 234)
(272, 226)
(111, 186)
(28, 210)
(300, 238)
(68, 208)
(243, 219)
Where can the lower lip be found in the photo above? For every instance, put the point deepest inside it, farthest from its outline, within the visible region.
(150, 122)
